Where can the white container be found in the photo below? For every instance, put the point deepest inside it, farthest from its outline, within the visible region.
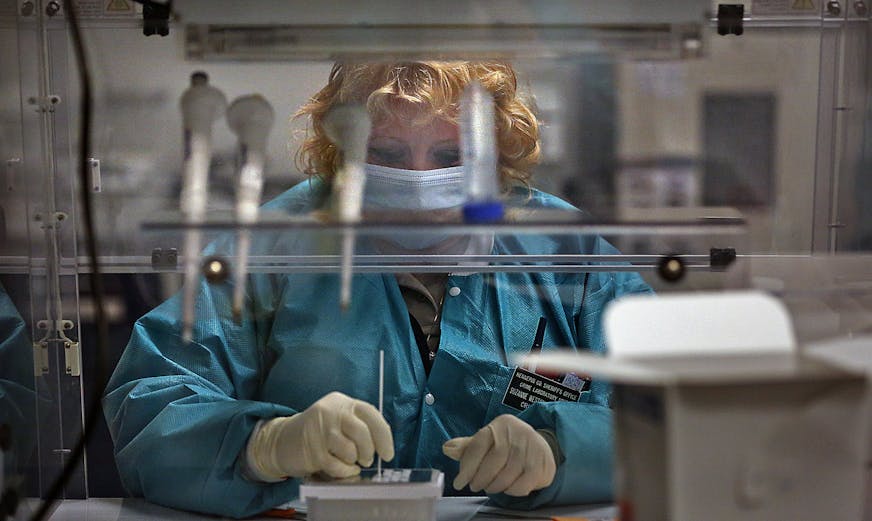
(399, 495)
(768, 438)
(718, 416)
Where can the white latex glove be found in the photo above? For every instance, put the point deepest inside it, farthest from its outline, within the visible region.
(336, 435)
(507, 455)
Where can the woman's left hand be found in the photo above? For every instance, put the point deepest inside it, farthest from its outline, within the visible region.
(507, 455)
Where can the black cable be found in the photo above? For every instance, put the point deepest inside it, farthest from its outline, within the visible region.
(100, 372)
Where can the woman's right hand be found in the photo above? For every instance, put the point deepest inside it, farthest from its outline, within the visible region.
(337, 435)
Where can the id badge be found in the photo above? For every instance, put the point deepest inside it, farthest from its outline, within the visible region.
(526, 388)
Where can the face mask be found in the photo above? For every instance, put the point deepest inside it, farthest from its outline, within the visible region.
(399, 189)
(414, 190)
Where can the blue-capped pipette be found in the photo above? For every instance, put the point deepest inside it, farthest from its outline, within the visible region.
(480, 155)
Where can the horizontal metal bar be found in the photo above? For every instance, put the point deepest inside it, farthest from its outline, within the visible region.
(812, 21)
(323, 42)
(267, 13)
(455, 268)
(383, 259)
(368, 263)
(420, 268)
(716, 227)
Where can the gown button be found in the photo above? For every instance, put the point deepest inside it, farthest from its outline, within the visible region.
(454, 291)
(429, 399)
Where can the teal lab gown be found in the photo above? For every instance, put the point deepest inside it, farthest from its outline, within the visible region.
(180, 415)
(18, 396)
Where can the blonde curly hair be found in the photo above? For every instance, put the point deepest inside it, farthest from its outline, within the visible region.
(421, 91)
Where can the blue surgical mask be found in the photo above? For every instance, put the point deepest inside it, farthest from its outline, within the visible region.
(413, 190)
(399, 189)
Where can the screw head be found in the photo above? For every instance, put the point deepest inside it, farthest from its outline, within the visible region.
(52, 8)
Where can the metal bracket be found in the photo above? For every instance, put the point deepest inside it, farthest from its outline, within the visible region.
(44, 103)
(55, 325)
(721, 258)
(94, 171)
(11, 167)
(730, 19)
(164, 259)
(40, 358)
(57, 220)
(72, 358)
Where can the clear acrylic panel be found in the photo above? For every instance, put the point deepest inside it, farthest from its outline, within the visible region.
(670, 158)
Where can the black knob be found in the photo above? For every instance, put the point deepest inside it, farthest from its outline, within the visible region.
(671, 268)
(215, 269)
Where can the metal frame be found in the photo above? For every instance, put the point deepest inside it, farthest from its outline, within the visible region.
(46, 158)
(47, 163)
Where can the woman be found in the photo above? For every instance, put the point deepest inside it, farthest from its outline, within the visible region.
(230, 423)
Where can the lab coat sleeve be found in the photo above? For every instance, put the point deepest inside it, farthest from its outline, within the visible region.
(180, 415)
(584, 430)
(18, 399)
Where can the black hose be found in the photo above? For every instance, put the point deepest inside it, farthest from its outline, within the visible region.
(94, 409)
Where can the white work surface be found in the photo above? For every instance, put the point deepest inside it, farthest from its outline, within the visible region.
(449, 509)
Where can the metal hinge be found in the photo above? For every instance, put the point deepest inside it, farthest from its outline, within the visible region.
(44, 103)
(72, 358)
(94, 171)
(40, 358)
(55, 332)
(11, 166)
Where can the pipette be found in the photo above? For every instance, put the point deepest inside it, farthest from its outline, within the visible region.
(251, 119)
(348, 127)
(381, 396)
(201, 106)
(479, 153)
